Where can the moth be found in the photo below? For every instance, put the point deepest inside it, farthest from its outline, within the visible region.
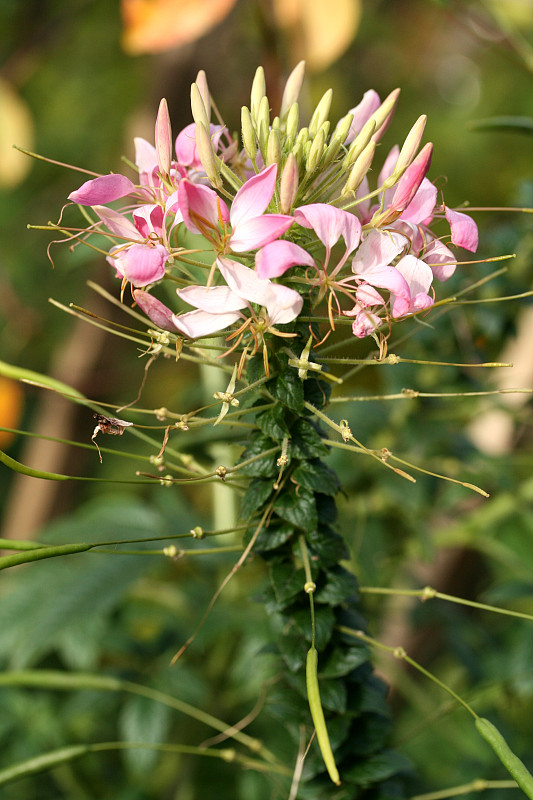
(111, 425)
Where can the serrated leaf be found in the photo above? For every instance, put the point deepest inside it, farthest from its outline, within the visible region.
(298, 507)
(255, 496)
(340, 585)
(270, 538)
(327, 545)
(377, 768)
(342, 660)
(324, 622)
(263, 467)
(317, 392)
(287, 580)
(273, 423)
(317, 477)
(288, 389)
(306, 442)
(294, 651)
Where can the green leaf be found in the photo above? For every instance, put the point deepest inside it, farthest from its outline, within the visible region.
(306, 442)
(373, 732)
(298, 507)
(340, 585)
(333, 695)
(317, 477)
(263, 467)
(342, 660)
(288, 389)
(270, 538)
(317, 392)
(255, 496)
(327, 545)
(377, 768)
(326, 508)
(287, 580)
(142, 720)
(324, 622)
(273, 423)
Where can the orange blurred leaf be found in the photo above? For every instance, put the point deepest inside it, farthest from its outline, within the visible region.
(321, 30)
(152, 26)
(11, 402)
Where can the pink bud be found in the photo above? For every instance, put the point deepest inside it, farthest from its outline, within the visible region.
(410, 181)
(102, 190)
(163, 138)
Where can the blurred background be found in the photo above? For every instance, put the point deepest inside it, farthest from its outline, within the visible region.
(79, 79)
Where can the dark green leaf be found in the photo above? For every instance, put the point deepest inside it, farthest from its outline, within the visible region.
(317, 392)
(326, 508)
(343, 660)
(270, 538)
(339, 586)
(256, 495)
(298, 507)
(324, 622)
(287, 580)
(327, 545)
(273, 423)
(288, 389)
(306, 442)
(263, 467)
(317, 477)
(377, 768)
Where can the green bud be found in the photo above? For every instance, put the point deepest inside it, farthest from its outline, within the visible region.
(248, 133)
(321, 113)
(332, 149)
(292, 89)
(262, 122)
(410, 146)
(201, 82)
(258, 92)
(273, 148)
(359, 143)
(384, 113)
(288, 189)
(210, 162)
(343, 128)
(316, 151)
(276, 124)
(293, 121)
(359, 169)
(199, 113)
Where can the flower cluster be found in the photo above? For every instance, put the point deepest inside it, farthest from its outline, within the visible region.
(287, 214)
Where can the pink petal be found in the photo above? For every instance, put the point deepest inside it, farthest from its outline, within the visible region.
(142, 264)
(155, 310)
(422, 300)
(117, 223)
(283, 305)
(201, 207)
(362, 113)
(329, 224)
(378, 249)
(389, 278)
(417, 274)
(441, 260)
(145, 157)
(277, 257)
(102, 190)
(422, 205)
(186, 150)
(410, 182)
(366, 295)
(464, 230)
(163, 138)
(149, 219)
(388, 167)
(215, 300)
(253, 197)
(244, 281)
(254, 233)
(200, 323)
(365, 323)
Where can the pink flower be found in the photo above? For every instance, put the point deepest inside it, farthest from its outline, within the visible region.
(371, 265)
(204, 212)
(155, 310)
(140, 264)
(464, 229)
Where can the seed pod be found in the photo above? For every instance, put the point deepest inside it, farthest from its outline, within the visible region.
(513, 764)
(317, 714)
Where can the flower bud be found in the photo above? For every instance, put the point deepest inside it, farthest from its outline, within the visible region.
(410, 181)
(411, 145)
(288, 190)
(343, 127)
(163, 138)
(210, 162)
(383, 115)
(293, 121)
(292, 89)
(316, 151)
(273, 154)
(320, 113)
(199, 113)
(276, 124)
(359, 169)
(258, 93)
(262, 122)
(201, 82)
(332, 149)
(359, 143)
(248, 133)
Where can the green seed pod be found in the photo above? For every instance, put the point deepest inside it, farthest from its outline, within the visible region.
(320, 113)
(317, 714)
(248, 133)
(513, 764)
(292, 90)
(199, 113)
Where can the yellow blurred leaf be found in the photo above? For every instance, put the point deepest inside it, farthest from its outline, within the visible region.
(16, 127)
(152, 26)
(321, 29)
